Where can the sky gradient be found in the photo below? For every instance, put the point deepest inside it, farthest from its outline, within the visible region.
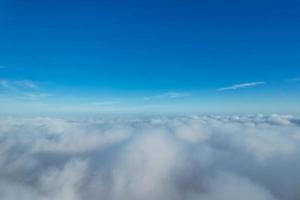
(149, 56)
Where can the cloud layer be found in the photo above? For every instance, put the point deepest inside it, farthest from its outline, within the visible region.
(162, 158)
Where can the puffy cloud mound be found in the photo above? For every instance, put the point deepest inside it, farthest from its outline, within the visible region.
(145, 158)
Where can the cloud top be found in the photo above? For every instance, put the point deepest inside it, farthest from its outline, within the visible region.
(212, 157)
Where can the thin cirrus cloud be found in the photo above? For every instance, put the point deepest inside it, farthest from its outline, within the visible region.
(242, 85)
(297, 79)
(36, 95)
(168, 95)
(105, 103)
(17, 84)
(22, 89)
(27, 84)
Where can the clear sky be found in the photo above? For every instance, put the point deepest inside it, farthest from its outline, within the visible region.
(149, 56)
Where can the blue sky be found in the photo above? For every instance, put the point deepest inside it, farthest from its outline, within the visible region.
(149, 56)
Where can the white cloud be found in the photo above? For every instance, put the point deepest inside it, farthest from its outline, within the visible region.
(230, 186)
(157, 155)
(63, 183)
(213, 157)
(241, 85)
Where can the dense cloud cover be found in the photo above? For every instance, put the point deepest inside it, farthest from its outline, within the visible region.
(150, 158)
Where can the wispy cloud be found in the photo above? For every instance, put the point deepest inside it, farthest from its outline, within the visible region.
(297, 79)
(168, 95)
(242, 85)
(27, 84)
(21, 89)
(35, 95)
(18, 84)
(105, 103)
(5, 84)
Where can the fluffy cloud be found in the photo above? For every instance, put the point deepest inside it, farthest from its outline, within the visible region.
(188, 157)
